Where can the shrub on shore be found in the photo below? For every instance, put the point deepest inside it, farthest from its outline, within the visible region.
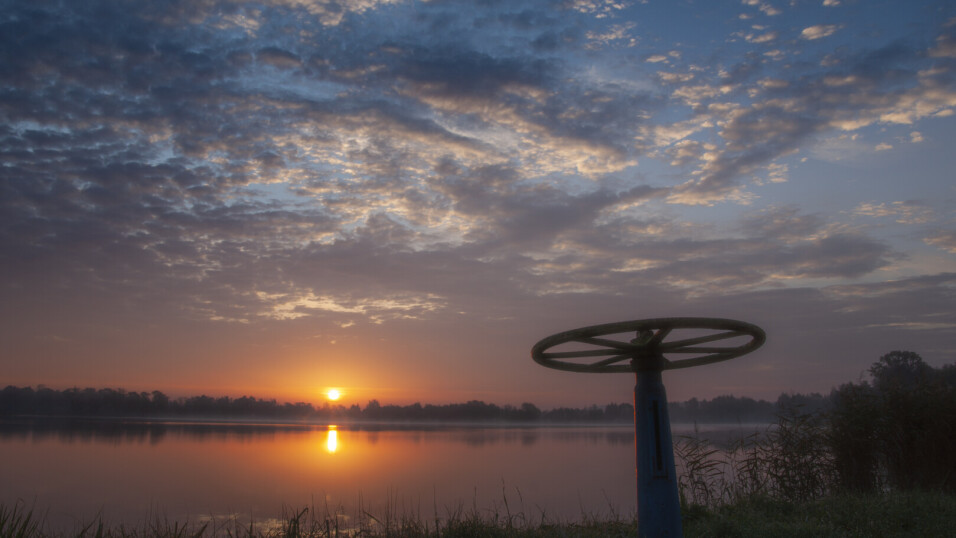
(894, 434)
(898, 431)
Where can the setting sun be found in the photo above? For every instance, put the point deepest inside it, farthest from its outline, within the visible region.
(333, 394)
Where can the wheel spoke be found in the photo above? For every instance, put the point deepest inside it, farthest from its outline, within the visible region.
(617, 344)
(699, 350)
(700, 340)
(612, 360)
(577, 354)
(700, 361)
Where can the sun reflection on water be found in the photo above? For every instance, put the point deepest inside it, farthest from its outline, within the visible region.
(332, 439)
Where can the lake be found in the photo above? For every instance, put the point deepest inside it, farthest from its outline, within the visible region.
(131, 472)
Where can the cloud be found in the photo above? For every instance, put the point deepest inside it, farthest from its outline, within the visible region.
(618, 34)
(930, 292)
(945, 47)
(772, 248)
(765, 7)
(278, 58)
(904, 212)
(331, 12)
(945, 240)
(763, 38)
(213, 173)
(286, 306)
(785, 224)
(785, 114)
(602, 8)
(819, 31)
(389, 106)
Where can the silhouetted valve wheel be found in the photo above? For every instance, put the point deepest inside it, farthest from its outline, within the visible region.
(658, 344)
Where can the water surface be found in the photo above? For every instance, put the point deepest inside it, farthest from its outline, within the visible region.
(133, 471)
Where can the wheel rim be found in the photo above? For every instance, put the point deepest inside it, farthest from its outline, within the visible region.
(661, 343)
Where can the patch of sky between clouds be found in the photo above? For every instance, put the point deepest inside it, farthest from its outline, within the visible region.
(912, 164)
(279, 82)
(573, 184)
(849, 169)
(706, 22)
(163, 149)
(24, 126)
(921, 259)
(596, 75)
(279, 192)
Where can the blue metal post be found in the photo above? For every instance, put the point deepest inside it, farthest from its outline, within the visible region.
(658, 503)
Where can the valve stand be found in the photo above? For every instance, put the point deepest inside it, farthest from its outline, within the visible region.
(601, 349)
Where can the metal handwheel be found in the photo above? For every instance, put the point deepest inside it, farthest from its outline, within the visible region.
(645, 348)
(653, 341)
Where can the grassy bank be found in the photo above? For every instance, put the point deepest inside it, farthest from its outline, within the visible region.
(889, 515)
(925, 514)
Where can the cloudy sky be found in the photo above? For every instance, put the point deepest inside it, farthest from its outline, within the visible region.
(399, 198)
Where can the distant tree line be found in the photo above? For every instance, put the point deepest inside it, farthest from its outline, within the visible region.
(108, 402)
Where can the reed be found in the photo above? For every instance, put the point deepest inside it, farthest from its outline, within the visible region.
(15, 523)
(789, 461)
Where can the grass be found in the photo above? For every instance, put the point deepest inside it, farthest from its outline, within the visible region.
(889, 515)
(15, 523)
(899, 514)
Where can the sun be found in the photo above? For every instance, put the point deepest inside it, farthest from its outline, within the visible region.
(333, 394)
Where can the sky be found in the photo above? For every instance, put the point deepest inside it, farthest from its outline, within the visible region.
(399, 198)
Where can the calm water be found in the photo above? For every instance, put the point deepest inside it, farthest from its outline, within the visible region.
(130, 472)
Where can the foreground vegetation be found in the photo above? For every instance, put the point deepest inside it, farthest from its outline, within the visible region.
(925, 514)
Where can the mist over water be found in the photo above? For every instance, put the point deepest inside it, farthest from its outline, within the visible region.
(131, 472)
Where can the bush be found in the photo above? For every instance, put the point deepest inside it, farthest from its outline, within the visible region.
(894, 434)
(898, 432)
(853, 438)
(791, 461)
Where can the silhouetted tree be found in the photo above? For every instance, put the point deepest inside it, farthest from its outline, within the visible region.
(160, 402)
(899, 370)
(529, 412)
(853, 438)
(900, 429)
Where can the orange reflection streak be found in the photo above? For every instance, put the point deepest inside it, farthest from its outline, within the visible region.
(332, 440)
